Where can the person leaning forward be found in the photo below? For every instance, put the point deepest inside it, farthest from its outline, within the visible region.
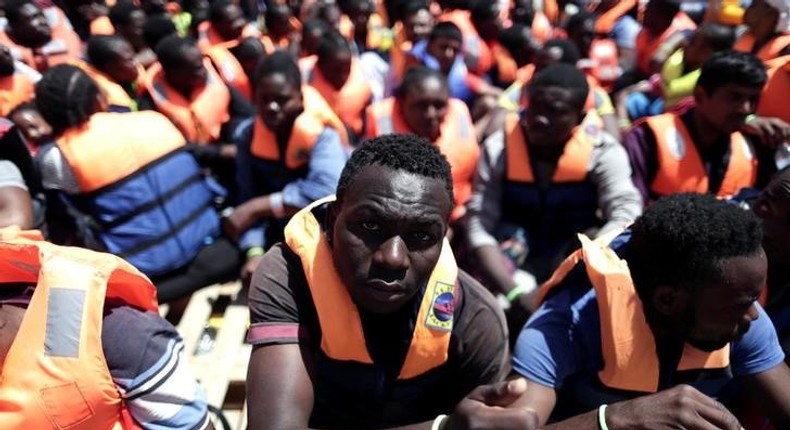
(660, 324)
(362, 319)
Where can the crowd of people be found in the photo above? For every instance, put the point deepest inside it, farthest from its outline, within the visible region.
(448, 214)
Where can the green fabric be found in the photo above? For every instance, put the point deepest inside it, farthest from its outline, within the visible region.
(676, 85)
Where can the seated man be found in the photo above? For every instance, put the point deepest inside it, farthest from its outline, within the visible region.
(673, 88)
(132, 185)
(600, 56)
(39, 38)
(556, 51)
(422, 106)
(362, 319)
(617, 20)
(186, 88)
(290, 154)
(226, 23)
(338, 76)
(672, 302)
(129, 20)
(701, 149)
(112, 64)
(58, 373)
(282, 28)
(549, 174)
(768, 34)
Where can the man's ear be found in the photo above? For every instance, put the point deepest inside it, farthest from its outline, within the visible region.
(670, 301)
(762, 207)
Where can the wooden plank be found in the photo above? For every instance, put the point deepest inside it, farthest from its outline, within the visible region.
(195, 317)
(226, 348)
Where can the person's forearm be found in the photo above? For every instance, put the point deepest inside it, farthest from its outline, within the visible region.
(586, 421)
(493, 268)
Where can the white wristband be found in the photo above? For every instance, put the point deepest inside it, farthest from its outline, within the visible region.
(438, 423)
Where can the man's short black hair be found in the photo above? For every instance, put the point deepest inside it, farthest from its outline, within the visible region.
(405, 152)
(156, 28)
(13, 9)
(578, 19)
(103, 50)
(217, 10)
(121, 13)
(414, 76)
(570, 53)
(732, 67)
(170, 50)
(249, 47)
(484, 10)
(411, 7)
(279, 62)
(330, 44)
(446, 30)
(719, 37)
(683, 239)
(315, 25)
(513, 37)
(564, 76)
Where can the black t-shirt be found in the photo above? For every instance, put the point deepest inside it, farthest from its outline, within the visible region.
(353, 395)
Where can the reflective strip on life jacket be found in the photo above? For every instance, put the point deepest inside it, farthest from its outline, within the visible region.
(317, 115)
(342, 337)
(680, 167)
(199, 119)
(627, 342)
(55, 374)
(572, 165)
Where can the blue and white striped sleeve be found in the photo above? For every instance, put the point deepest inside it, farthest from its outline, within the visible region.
(148, 366)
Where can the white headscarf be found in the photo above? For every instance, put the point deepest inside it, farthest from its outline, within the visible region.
(783, 6)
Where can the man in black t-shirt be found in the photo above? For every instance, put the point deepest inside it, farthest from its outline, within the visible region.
(362, 318)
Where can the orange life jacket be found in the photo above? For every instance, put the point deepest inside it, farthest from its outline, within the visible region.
(767, 52)
(604, 23)
(229, 68)
(14, 90)
(399, 52)
(199, 119)
(680, 168)
(208, 36)
(136, 144)
(572, 165)
(647, 44)
(456, 141)
(373, 40)
(350, 101)
(477, 53)
(317, 115)
(342, 337)
(101, 26)
(55, 375)
(65, 43)
(627, 342)
(115, 93)
(773, 102)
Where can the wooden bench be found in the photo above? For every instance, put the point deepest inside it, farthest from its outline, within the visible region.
(220, 366)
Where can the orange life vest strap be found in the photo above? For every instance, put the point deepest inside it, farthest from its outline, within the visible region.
(680, 168)
(572, 165)
(113, 146)
(342, 336)
(350, 100)
(627, 342)
(771, 50)
(316, 116)
(199, 119)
